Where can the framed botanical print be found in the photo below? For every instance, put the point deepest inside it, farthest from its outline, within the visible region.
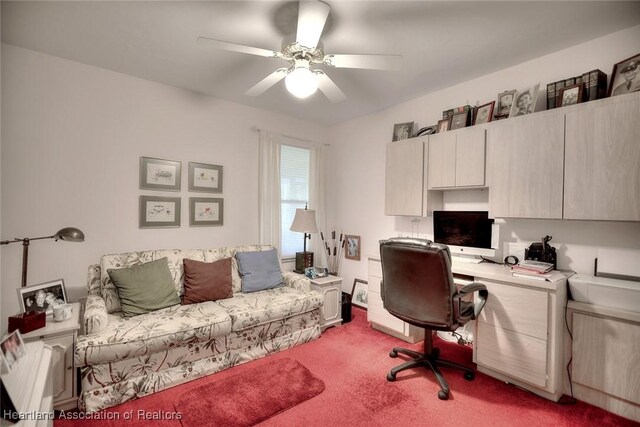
(159, 174)
(352, 247)
(205, 178)
(205, 211)
(159, 212)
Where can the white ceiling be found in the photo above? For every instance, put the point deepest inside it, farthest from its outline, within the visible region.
(443, 43)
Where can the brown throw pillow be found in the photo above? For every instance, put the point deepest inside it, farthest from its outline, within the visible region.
(206, 281)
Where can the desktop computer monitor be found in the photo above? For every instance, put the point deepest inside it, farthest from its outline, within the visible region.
(467, 233)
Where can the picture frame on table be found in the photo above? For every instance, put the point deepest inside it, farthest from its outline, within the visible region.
(360, 293)
(206, 211)
(625, 77)
(570, 95)
(524, 101)
(505, 100)
(159, 212)
(459, 120)
(352, 247)
(402, 131)
(42, 297)
(12, 349)
(443, 125)
(205, 178)
(484, 113)
(159, 174)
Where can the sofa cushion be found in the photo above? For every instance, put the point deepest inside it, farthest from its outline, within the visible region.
(259, 270)
(251, 309)
(144, 288)
(211, 255)
(124, 338)
(207, 281)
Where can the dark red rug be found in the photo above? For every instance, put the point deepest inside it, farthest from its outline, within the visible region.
(249, 397)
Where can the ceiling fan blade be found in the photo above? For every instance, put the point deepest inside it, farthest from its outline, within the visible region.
(267, 82)
(233, 47)
(312, 15)
(371, 62)
(329, 88)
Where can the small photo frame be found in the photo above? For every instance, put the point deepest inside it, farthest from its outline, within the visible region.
(524, 101)
(459, 120)
(205, 178)
(625, 77)
(352, 247)
(12, 349)
(402, 131)
(204, 211)
(42, 297)
(159, 174)
(443, 125)
(159, 212)
(505, 100)
(360, 293)
(484, 113)
(570, 95)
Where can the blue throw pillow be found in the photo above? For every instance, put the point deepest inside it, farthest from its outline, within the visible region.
(259, 270)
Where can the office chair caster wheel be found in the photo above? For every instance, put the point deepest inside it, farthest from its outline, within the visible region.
(391, 376)
(443, 395)
(393, 354)
(469, 376)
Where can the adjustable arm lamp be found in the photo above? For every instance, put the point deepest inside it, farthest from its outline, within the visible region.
(68, 234)
(304, 222)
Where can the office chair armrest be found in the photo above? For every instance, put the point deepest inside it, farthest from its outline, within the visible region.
(471, 288)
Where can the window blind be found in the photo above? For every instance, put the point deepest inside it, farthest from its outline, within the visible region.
(294, 193)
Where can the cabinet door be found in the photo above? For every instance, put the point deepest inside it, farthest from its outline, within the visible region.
(403, 177)
(470, 157)
(602, 166)
(331, 311)
(62, 366)
(442, 160)
(525, 161)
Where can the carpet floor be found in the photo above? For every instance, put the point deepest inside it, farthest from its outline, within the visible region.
(353, 360)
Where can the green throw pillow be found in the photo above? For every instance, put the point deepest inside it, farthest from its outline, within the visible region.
(145, 287)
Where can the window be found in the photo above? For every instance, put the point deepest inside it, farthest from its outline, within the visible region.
(294, 193)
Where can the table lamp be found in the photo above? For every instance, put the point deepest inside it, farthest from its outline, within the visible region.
(67, 234)
(304, 222)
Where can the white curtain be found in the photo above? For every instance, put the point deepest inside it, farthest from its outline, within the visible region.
(317, 201)
(269, 189)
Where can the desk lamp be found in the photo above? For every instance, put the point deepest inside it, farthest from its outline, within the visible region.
(304, 222)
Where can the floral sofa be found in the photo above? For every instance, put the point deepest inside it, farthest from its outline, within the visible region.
(125, 358)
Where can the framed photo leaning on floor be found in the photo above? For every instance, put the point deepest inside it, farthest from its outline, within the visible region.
(360, 293)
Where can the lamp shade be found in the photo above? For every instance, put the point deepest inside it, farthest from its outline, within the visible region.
(304, 221)
(69, 234)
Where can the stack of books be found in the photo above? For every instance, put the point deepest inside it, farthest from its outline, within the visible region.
(536, 270)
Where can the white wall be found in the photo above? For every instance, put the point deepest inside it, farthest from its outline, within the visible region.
(355, 184)
(71, 145)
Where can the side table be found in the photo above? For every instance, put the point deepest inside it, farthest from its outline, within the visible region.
(331, 288)
(61, 337)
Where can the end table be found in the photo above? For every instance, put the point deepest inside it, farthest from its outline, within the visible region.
(331, 288)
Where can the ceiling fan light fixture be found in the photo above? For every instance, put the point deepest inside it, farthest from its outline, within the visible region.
(301, 82)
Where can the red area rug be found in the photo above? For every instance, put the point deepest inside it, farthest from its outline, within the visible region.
(249, 397)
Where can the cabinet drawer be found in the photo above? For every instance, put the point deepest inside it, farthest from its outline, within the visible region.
(377, 314)
(374, 284)
(517, 355)
(375, 268)
(521, 310)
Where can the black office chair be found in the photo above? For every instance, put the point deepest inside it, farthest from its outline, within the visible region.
(417, 287)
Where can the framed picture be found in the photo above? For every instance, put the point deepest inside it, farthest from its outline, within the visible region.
(524, 101)
(42, 297)
(402, 131)
(205, 178)
(204, 211)
(505, 100)
(484, 113)
(459, 120)
(159, 212)
(443, 125)
(624, 77)
(360, 293)
(12, 348)
(570, 95)
(352, 247)
(158, 174)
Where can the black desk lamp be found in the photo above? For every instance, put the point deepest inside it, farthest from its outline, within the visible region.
(304, 222)
(67, 234)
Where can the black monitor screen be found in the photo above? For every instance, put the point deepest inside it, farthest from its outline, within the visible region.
(462, 228)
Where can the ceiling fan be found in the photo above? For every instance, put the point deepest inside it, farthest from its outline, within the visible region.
(305, 52)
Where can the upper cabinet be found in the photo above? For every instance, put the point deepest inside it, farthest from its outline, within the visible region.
(602, 160)
(525, 159)
(457, 159)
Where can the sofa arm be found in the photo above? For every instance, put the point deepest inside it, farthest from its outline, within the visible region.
(95, 315)
(296, 281)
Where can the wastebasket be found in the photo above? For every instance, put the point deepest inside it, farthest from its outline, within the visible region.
(346, 308)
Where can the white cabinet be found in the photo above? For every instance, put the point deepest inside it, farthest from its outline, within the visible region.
(602, 164)
(331, 289)
(457, 159)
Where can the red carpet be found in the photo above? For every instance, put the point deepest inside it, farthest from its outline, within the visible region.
(352, 361)
(249, 397)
